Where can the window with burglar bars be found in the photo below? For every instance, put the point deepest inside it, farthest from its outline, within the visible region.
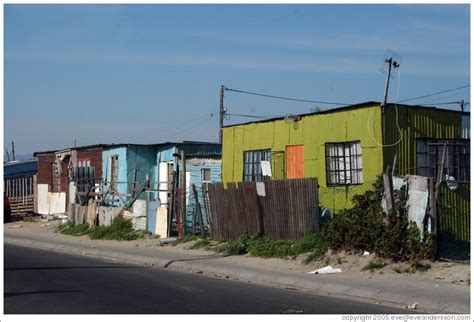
(206, 175)
(429, 154)
(114, 172)
(343, 163)
(252, 165)
(55, 178)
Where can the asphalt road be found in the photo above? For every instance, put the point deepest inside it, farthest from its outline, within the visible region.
(47, 282)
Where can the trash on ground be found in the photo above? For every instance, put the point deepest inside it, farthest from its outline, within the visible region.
(366, 253)
(413, 306)
(15, 226)
(326, 270)
(291, 311)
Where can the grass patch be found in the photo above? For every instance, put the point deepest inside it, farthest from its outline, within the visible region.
(185, 239)
(397, 270)
(371, 266)
(120, 229)
(260, 246)
(417, 266)
(202, 243)
(28, 219)
(73, 229)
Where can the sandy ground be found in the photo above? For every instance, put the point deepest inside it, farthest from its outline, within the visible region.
(456, 273)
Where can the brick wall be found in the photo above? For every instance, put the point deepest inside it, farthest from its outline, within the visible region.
(45, 160)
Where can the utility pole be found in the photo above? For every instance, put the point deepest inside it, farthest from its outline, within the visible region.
(391, 63)
(13, 151)
(221, 113)
(183, 194)
(8, 154)
(462, 103)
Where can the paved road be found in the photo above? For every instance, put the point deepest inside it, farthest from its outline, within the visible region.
(47, 282)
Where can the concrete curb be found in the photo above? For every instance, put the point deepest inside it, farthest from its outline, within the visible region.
(446, 299)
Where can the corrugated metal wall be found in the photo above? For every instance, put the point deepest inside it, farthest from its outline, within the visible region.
(414, 123)
(312, 131)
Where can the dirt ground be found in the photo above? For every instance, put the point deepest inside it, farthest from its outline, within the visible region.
(456, 273)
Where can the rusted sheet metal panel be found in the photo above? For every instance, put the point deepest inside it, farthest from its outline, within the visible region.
(288, 211)
(414, 123)
(295, 161)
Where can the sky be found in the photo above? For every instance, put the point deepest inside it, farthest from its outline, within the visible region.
(87, 74)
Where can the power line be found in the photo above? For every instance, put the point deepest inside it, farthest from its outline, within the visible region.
(433, 94)
(283, 98)
(255, 116)
(447, 96)
(448, 103)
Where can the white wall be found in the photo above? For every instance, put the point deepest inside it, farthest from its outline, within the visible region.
(50, 202)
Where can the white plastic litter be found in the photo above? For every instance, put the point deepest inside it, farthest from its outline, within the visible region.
(413, 306)
(326, 270)
(366, 253)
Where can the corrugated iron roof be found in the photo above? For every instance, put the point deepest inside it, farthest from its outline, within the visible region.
(352, 107)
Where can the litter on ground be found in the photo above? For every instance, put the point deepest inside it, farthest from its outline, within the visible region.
(326, 270)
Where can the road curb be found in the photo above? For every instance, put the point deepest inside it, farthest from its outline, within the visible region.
(451, 301)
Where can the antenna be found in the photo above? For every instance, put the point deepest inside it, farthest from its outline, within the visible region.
(391, 60)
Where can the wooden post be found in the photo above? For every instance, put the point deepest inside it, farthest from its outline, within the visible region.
(183, 194)
(439, 176)
(171, 203)
(388, 190)
(134, 183)
(433, 217)
(199, 212)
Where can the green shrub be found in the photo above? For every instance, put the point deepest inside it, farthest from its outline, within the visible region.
(417, 266)
(365, 227)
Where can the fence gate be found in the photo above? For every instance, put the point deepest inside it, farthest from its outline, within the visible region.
(454, 222)
(20, 192)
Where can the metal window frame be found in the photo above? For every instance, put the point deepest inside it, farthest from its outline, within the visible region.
(457, 148)
(333, 162)
(256, 171)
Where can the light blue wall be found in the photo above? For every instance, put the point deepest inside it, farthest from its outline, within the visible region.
(143, 159)
(195, 167)
(122, 159)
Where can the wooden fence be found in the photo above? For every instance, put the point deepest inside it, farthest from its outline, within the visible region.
(288, 210)
(20, 192)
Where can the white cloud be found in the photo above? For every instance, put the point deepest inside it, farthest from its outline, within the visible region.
(283, 63)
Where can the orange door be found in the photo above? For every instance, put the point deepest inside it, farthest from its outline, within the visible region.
(295, 161)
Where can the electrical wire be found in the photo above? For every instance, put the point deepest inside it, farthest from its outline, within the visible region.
(154, 132)
(444, 97)
(186, 130)
(254, 116)
(283, 98)
(433, 94)
(396, 120)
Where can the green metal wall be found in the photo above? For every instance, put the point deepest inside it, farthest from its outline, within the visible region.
(312, 131)
(414, 123)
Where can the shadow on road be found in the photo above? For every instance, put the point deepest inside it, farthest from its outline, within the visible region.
(39, 292)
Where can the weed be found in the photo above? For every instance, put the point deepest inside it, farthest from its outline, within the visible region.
(28, 219)
(73, 229)
(397, 270)
(185, 239)
(202, 243)
(371, 266)
(417, 266)
(407, 270)
(120, 229)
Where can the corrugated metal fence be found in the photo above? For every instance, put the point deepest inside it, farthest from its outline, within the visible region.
(288, 210)
(454, 222)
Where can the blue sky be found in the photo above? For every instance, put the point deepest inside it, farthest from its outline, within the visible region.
(151, 73)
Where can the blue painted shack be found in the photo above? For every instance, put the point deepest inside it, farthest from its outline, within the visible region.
(160, 163)
(19, 169)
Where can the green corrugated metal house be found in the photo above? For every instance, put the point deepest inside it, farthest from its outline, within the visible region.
(347, 148)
